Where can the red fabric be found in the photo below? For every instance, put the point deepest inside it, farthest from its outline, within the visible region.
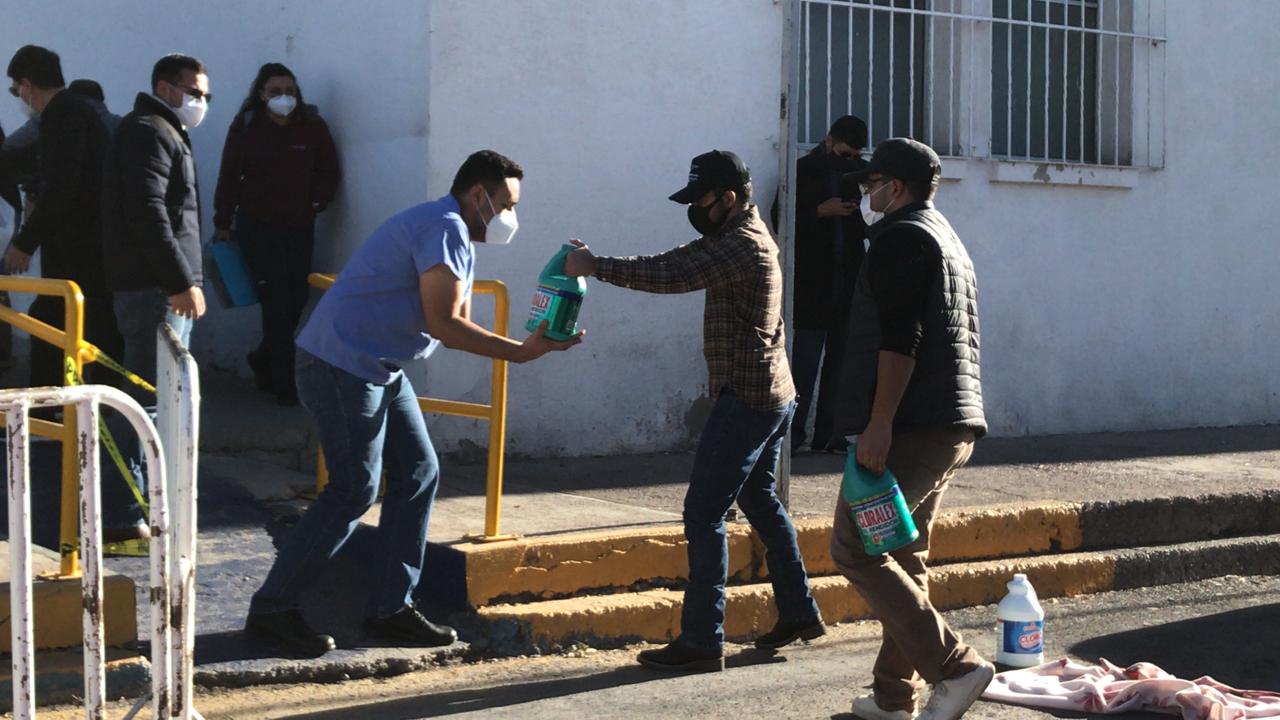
(277, 174)
(1110, 689)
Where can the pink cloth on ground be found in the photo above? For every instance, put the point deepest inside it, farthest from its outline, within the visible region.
(1110, 689)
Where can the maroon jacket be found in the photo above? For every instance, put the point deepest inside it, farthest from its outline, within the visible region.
(276, 174)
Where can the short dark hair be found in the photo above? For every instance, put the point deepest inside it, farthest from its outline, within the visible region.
(922, 189)
(850, 130)
(487, 168)
(87, 88)
(743, 192)
(41, 66)
(169, 68)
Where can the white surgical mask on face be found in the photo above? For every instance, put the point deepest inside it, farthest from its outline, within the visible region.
(501, 227)
(282, 105)
(869, 216)
(191, 114)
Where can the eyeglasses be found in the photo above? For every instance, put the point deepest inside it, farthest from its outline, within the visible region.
(869, 185)
(196, 93)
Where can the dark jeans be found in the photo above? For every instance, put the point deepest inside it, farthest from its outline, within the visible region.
(736, 460)
(360, 423)
(280, 260)
(806, 356)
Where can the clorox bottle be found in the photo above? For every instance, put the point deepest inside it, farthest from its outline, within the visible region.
(557, 299)
(1021, 626)
(879, 510)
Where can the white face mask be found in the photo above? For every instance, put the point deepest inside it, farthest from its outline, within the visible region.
(501, 227)
(282, 105)
(869, 216)
(27, 108)
(191, 114)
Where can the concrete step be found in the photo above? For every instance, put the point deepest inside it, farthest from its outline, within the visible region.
(654, 615)
(566, 565)
(57, 604)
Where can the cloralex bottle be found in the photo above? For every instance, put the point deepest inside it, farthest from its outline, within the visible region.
(1021, 621)
(557, 299)
(879, 510)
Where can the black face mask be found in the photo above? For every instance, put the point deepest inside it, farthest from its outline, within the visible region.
(700, 218)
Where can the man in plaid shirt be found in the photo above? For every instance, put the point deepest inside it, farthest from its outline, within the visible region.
(736, 261)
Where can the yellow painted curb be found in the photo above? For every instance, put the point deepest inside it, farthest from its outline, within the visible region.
(654, 616)
(567, 564)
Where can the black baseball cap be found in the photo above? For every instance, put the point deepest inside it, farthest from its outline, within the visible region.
(901, 159)
(710, 171)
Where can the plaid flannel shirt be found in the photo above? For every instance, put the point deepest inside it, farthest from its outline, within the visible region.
(744, 339)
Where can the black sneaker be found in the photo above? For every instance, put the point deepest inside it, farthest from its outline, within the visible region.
(679, 657)
(287, 630)
(788, 631)
(408, 627)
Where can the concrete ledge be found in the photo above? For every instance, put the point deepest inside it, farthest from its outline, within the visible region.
(564, 565)
(654, 616)
(336, 666)
(60, 677)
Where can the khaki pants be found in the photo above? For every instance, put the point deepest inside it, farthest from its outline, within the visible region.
(917, 642)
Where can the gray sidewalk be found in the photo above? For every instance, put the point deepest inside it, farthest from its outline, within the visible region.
(577, 493)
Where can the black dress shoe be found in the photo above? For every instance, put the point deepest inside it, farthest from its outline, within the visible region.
(409, 627)
(679, 657)
(788, 631)
(287, 630)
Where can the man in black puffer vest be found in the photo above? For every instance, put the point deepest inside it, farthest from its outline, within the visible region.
(911, 391)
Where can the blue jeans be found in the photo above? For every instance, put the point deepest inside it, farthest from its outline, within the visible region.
(736, 460)
(810, 349)
(360, 423)
(139, 313)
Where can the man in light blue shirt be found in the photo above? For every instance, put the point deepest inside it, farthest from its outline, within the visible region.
(405, 291)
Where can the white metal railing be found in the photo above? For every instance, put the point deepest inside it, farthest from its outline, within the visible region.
(16, 405)
(170, 448)
(1067, 81)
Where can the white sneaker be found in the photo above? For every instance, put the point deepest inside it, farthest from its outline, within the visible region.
(865, 707)
(951, 698)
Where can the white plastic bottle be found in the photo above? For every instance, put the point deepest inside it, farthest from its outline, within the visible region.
(1021, 626)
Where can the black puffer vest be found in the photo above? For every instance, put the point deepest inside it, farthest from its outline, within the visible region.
(945, 389)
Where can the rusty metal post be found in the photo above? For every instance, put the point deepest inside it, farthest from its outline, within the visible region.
(91, 592)
(22, 650)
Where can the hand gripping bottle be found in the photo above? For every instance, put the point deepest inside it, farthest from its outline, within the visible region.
(879, 510)
(1021, 626)
(557, 299)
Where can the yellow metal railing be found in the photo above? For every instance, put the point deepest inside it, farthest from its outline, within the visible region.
(495, 412)
(76, 353)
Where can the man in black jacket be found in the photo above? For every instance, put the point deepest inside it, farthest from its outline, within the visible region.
(66, 222)
(829, 235)
(911, 391)
(151, 211)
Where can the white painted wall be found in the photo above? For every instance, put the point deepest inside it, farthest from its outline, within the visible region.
(1148, 307)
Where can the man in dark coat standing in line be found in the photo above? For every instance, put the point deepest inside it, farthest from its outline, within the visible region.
(66, 222)
(829, 234)
(151, 211)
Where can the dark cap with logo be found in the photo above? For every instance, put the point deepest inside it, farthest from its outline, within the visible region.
(901, 159)
(711, 171)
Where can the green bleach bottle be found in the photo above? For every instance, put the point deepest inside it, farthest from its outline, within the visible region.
(879, 511)
(557, 299)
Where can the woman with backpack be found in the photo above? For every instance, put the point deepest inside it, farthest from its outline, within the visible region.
(279, 170)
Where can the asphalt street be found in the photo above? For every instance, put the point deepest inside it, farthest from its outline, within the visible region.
(1228, 628)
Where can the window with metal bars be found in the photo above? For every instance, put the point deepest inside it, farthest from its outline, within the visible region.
(1068, 81)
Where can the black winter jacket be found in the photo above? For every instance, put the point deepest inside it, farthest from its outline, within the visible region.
(151, 203)
(65, 225)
